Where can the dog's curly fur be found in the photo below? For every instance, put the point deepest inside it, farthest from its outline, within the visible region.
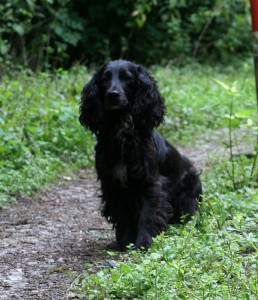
(146, 183)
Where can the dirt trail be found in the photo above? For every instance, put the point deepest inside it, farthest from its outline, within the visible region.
(46, 238)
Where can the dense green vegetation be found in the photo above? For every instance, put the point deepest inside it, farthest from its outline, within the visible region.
(43, 34)
(40, 133)
(197, 102)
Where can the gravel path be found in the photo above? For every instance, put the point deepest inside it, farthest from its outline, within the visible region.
(46, 238)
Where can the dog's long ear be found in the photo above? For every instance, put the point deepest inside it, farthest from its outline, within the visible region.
(149, 107)
(91, 107)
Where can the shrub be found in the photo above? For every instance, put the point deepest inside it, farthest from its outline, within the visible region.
(42, 34)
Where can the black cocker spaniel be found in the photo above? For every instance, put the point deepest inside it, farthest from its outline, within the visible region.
(146, 183)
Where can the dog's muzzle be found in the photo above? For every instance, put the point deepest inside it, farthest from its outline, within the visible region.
(115, 100)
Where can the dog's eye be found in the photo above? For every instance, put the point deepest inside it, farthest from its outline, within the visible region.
(127, 78)
(104, 80)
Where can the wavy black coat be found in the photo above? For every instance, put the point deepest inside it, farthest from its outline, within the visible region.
(146, 183)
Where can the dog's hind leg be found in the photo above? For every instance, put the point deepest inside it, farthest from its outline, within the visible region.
(186, 196)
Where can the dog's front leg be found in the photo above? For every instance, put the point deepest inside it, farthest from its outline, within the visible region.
(147, 227)
(144, 238)
(125, 235)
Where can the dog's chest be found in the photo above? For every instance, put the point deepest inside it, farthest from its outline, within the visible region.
(126, 159)
(123, 161)
(120, 173)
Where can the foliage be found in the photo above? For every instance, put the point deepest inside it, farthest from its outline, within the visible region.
(212, 257)
(233, 122)
(196, 103)
(40, 34)
(36, 31)
(40, 133)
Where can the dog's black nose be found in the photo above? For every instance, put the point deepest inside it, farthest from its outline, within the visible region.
(114, 94)
(115, 99)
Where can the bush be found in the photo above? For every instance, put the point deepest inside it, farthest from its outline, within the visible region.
(40, 34)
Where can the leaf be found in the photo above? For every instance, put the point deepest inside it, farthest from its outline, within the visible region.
(244, 114)
(249, 122)
(233, 89)
(135, 13)
(125, 268)
(4, 48)
(18, 29)
(155, 256)
(115, 277)
(224, 85)
(235, 123)
(239, 216)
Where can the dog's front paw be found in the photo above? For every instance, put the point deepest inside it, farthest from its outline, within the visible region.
(143, 241)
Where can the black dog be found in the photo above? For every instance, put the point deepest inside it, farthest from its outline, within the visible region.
(146, 183)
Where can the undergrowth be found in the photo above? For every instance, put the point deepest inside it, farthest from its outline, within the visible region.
(40, 134)
(197, 104)
(214, 256)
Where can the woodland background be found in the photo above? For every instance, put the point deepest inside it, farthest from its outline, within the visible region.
(47, 34)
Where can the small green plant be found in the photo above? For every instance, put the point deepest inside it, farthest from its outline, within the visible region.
(244, 119)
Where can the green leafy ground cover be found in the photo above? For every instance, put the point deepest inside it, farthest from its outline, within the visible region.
(40, 134)
(212, 257)
(197, 102)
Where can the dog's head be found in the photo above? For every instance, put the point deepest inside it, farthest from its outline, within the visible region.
(121, 87)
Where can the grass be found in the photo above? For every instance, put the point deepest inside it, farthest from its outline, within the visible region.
(197, 103)
(40, 133)
(215, 255)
